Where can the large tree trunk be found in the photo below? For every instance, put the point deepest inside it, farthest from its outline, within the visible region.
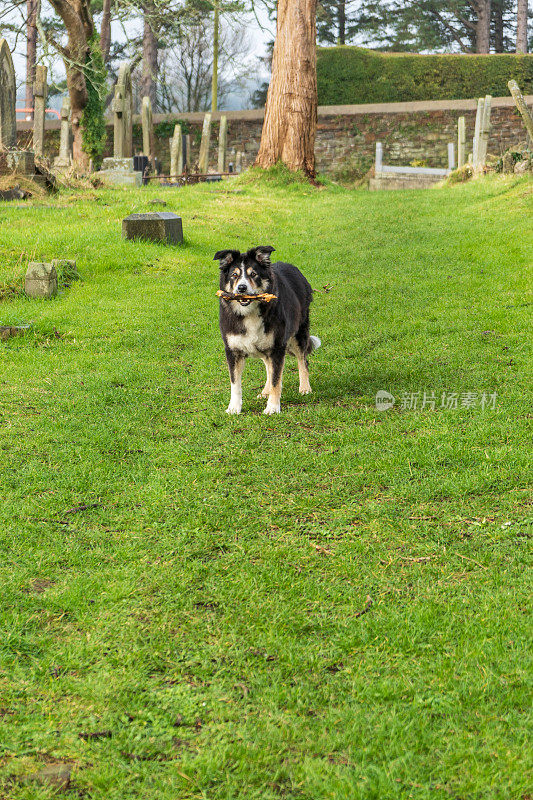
(214, 81)
(291, 107)
(497, 26)
(150, 69)
(79, 25)
(31, 49)
(521, 26)
(482, 8)
(105, 30)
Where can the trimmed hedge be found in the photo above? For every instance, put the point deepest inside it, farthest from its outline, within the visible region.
(350, 75)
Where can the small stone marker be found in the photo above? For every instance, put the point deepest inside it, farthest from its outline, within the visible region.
(176, 153)
(40, 93)
(8, 95)
(161, 226)
(203, 158)
(7, 331)
(64, 158)
(238, 161)
(41, 280)
(461, 141)
(222, 143)
(507, 163)
(148, 129)
(484, 133)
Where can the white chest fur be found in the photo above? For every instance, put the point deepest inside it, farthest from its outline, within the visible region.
(254, 341)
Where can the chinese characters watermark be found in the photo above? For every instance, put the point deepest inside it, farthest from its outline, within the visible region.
(432, 400)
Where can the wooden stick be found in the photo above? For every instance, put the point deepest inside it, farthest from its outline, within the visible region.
(265, 298)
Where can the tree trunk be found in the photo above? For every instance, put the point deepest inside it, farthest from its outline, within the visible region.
(482, 8)
(291, 109)
(150, 69)
(31, 49)
(497, 26)
(76, 16)
(214, 83)
(105, 31)
(341, 22)
(521, 26)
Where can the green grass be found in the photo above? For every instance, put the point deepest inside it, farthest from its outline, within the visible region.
(190, 583)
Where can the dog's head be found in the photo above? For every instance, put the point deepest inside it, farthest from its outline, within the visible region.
(246, 273)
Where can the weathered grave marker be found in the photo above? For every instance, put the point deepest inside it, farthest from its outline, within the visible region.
(40, 94)
(8, 95)
(238, 161)
(451, 156)
(122, 113)
(477, 132)
(176, 153)
(203, 158)
(160, 226)
(148, 129)
(222, 143)
(521, 105)
(41, 280)
(484, 133)
(64, 158)
(461, 142)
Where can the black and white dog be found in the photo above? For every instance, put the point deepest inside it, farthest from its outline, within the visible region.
(264, 330)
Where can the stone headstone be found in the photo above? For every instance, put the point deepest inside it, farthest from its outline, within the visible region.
(477, 132)
(41, 280)
(176, 153)
(461, 141)
(187, 142)
(508, 163)
(8, 96)
(65, 147)
(120, 172)
(8, 331)
(160, 226)
(222, 143)
(40, 94)
(122, 113)
(148, 129)
(20, 161)
(484, 133)
(238, 161)
(203, 158)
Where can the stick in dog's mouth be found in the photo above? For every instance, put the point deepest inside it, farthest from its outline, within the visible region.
(246, 299)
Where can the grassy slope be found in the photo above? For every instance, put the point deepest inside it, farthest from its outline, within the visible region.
(204, 612)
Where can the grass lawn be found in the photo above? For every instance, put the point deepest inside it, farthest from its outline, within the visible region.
(182, 590)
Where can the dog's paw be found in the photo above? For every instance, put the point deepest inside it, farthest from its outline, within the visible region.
(272, 409)
(262, 395)
(231, 409)
(306, 391)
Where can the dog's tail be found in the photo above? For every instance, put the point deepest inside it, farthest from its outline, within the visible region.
(314, 343)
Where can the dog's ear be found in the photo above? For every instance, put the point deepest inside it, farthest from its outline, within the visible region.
(262, 254)
(226, 257)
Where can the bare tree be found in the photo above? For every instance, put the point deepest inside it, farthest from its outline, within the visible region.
(149, 48)
(291, 108)
(187, 66)
(105, 30)
(31, 48)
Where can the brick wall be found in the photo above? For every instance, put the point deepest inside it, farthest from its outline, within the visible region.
(346, 135)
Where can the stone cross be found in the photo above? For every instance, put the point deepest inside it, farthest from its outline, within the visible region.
(461, 141)
(8, 125)
(521, 105)
(203, 158)
(484, 133)
(222, 144)
(122, 113)
(148, 129)
(64, 158)
(40, 94)
(176, 153)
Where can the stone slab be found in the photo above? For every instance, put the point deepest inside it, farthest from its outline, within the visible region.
(41, 280)
(124, 164)
(120, 178)
(160, 226)
(20, 161)
(8, 331)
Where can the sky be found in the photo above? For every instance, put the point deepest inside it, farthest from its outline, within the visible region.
(259, 31)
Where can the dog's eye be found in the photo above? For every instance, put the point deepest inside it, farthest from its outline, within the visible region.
(253, 274)
(235, 275)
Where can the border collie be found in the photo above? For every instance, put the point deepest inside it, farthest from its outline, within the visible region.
(265, 330)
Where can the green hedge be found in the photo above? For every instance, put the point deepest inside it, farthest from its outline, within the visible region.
(349, 75)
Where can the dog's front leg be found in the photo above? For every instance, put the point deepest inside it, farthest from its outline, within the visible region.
(268, 385)
(236, 367)
(277, 361)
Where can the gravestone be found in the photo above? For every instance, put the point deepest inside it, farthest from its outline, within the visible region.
(461, 142)
(8, 96)
(8, 331)
(477, 132)
(64, 158)
(40, 93)
(160, 226)
(238, 161)
(508, 163)
(176, 153)
(222, 144)
(41, 280)
(148, 129)
(522, 107)
(122, 114)
(187, 143)
(484, 133)
(203, 158)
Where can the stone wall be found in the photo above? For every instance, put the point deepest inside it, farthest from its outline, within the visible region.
(346, 135)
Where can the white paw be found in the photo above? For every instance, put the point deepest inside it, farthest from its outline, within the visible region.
(306, 391)
(231, 409)
(272, 409)
(262, 395)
